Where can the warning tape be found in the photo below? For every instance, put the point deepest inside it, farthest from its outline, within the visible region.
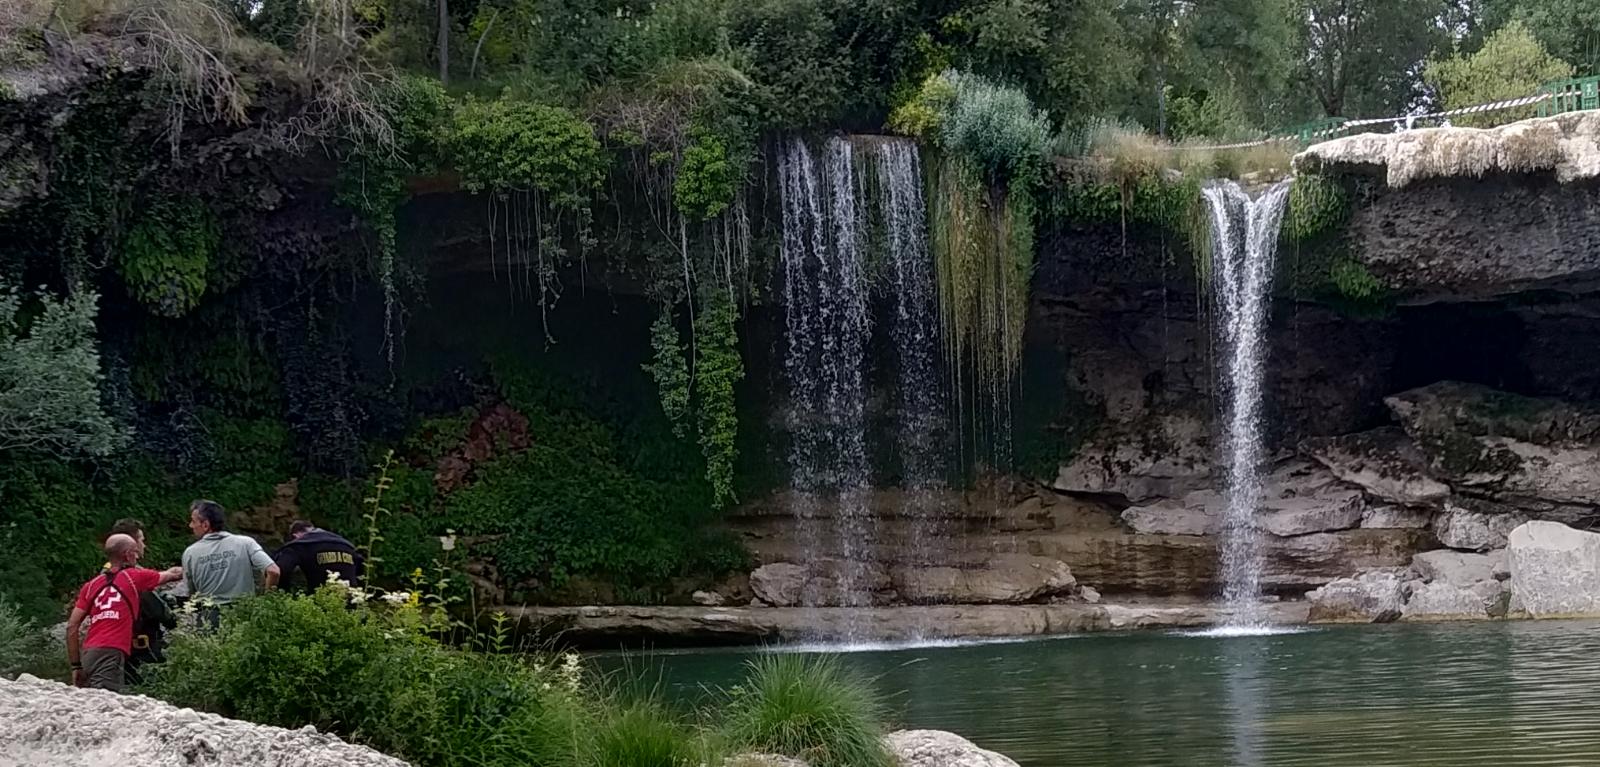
(1409, 120)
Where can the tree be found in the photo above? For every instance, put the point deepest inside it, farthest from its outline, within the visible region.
(1361, 56)
(50, 379)
(1244, 52)
(1511, 63)
(1569, 29)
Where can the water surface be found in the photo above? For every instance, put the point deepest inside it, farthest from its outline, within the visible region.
(1457, 695)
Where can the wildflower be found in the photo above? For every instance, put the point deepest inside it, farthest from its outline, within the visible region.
(447, 542)
(399, 597)
(571, 672)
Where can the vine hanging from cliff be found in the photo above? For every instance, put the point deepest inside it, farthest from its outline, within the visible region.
(718, 370)
(542, 166)
(992, 147)
(166, 255)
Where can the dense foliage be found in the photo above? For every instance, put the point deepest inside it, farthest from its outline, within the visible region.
(1511, 63)
(376, 673)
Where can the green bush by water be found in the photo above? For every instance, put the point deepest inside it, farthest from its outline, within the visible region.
(810, 708)
(375, 674)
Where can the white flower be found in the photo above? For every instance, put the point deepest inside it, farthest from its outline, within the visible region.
(447, 542)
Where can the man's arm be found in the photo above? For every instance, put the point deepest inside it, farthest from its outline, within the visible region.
(287, 559)
(262, 562)
(74, 641)
(170, 575)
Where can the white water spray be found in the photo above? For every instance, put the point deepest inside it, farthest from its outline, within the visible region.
(1244, 248)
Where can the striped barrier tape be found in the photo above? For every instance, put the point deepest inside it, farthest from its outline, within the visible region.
(1407, 119)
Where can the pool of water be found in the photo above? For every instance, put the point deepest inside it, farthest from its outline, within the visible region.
(1448, 695)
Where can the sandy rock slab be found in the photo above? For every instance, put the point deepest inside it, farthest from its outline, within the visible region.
(48, 724)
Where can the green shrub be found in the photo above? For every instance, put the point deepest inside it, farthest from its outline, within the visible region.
(371, 674)
(1317, 205)
(505, 146)
(994, 126)
(808, 707)
(25, 646)
(167, 255)
(644, 734)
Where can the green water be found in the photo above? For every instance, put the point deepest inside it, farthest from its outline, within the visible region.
(1521, 693)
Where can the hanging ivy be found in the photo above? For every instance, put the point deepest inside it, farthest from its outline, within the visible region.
(707, 180)
(670, 369)
(717, 371)
(166, 255)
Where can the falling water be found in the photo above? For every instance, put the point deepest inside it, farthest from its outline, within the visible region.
(1244, 244)
(919, 418)
(827, 324)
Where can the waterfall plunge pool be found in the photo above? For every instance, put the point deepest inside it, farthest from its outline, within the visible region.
(1403, 695)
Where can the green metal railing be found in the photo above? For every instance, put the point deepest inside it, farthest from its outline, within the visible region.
(1575, 95)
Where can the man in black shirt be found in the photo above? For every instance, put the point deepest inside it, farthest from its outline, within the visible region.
(315, 553)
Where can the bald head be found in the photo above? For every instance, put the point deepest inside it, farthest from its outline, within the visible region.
(121, 549)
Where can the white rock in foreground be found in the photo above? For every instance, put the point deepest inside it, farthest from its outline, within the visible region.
(934, 748)
(47, 724)
(1555, 570)
(1372, 597)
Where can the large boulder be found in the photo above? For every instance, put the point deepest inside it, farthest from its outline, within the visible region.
(1474, 526)
(48, 724)
(822, 583)
(1003, 579)
(1378, 596)
(1301, 515)
(933, 748)
(1384, 462)
(1555, 570)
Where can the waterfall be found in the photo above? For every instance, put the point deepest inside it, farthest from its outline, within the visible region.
(827, 326)
(1244, 245)
(919, 403)
(857, 203)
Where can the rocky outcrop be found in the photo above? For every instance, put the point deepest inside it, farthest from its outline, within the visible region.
(997, 579)
(1469, 527)
(1566, 146)
(1458, 568)
(1153, 458)
(497, 430)
(933, 748)
(1383, 462)
(1555, 570)
(605, 626)
(52, 725)
(1372, 597)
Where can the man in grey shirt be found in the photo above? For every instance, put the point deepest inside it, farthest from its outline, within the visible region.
(221, 567)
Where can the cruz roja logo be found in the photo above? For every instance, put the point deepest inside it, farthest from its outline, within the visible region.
(105, 606)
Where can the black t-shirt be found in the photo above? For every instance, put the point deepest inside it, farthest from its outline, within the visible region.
(315, 555)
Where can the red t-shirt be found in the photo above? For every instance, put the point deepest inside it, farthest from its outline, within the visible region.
(111, 614)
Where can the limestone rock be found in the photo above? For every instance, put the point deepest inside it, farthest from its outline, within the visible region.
(933, 748)
(47, 724)
(1443, 601)
(1198, 513)
(822, 583)
(707, 598)
(779, 584)
(1378, 596)
(1143, 461)
(1555, 570)
(1331, 510)
(1454, 568)
(1384, 462)
(1396, 517)
(1463, 527)
(1089, 595)
(1004, 579)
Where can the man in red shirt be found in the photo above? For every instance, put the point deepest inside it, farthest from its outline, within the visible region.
(110, 602)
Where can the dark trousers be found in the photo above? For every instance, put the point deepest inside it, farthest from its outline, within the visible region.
(105, 668)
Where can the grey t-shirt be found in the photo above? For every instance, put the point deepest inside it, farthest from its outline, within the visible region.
(223, 567)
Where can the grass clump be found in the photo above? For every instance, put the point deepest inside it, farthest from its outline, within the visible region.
(810, 708)
(645, 734)
(25, 646)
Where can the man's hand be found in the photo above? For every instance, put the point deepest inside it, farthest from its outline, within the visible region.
(270, 579)
(170, 575)
(77, 677)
